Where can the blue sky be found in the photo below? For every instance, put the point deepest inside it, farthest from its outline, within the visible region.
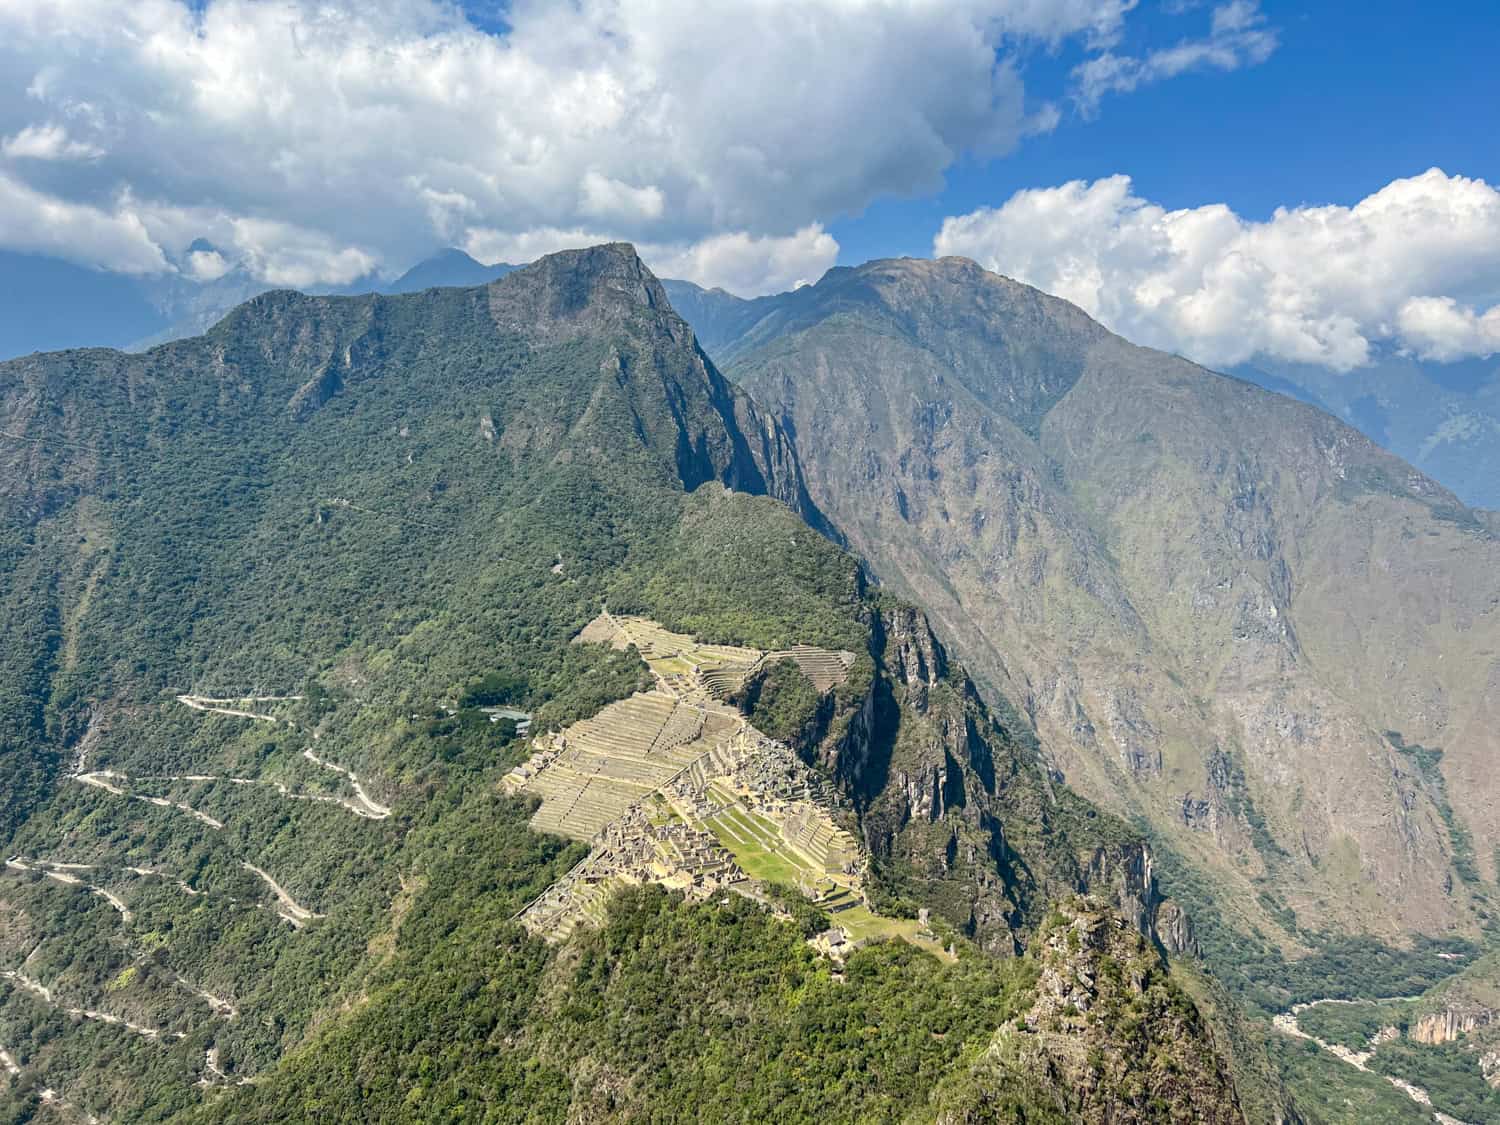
(1356, 94)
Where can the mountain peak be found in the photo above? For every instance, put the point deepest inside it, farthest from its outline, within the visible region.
(448, 268)
(575, 291)
(454, 254)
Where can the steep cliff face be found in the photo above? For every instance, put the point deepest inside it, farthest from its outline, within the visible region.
(1211, 602)
(624, 396)
(1465, 1005)
(961, 816)
(1110, 1038)
(1449, 1024)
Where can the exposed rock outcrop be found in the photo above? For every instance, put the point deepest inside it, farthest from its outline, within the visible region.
(1449, 1024)
(961, 816)
(1166, 570)
(1109, 1038)
(1489, 1066)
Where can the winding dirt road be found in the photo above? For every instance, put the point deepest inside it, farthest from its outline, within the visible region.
(42, 992)
(297, 915)
(105, 779)
(368, 808)
(63, 873)
(362, 805)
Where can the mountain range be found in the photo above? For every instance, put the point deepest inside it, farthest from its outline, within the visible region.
(56, 305)
(1165, 705)
(1441, 417)
(1444, 418)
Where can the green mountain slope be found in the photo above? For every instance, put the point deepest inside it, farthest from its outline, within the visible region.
(1225, 613)
(255, 583)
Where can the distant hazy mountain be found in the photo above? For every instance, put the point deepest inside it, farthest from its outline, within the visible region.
(718, 317)
(447, 268)
(1442, 417)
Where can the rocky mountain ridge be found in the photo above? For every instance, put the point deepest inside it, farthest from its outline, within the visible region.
(1093, 970)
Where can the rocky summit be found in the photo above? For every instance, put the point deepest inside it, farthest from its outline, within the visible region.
(472, 695)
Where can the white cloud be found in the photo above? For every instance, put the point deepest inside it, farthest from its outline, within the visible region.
(47, 142)
(602, 197)
(748, 265)
(491, 246)
(291, 256)
(205, 265)
(1441, 329)
(1237, 37)
(1416, 264)
(114, 239)
(377, 128)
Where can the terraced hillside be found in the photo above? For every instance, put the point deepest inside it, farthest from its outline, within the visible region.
(240, 576)
(676, 787)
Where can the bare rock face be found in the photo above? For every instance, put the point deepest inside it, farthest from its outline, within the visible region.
(580, 293)
(947, 795)
(1109, 1038)
(1489, 1066)
(1449, 1024)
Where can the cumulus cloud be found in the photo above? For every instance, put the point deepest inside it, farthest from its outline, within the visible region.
(516, 247)
(113, 238)
(377, 128)
(1416, 265)
(750, 265)
(1440, 328)
(747, 265)
(47, 142)
(1237, 37)
(205, 265)
(288, 255)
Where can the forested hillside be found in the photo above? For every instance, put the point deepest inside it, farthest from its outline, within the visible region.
(258, 586)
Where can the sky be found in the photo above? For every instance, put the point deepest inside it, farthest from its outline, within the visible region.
(1230, 179)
